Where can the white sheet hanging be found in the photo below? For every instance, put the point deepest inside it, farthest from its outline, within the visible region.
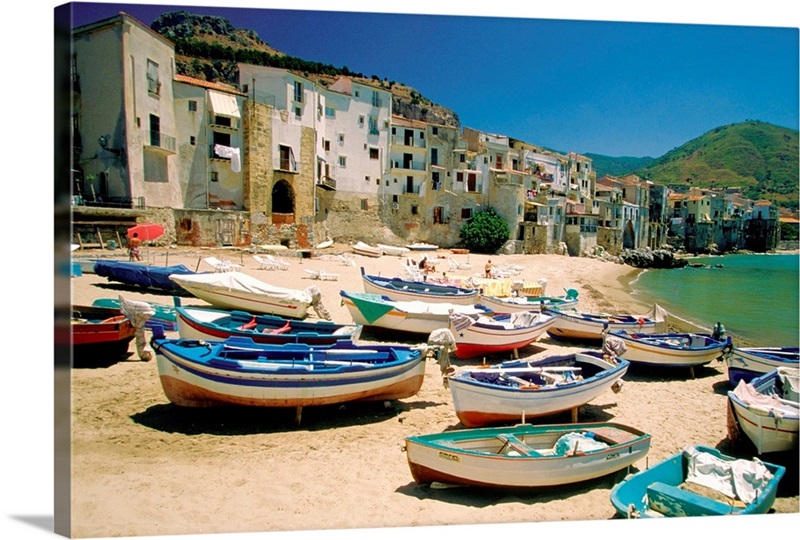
(230, 153)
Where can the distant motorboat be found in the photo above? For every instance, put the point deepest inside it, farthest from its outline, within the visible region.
(397, 251)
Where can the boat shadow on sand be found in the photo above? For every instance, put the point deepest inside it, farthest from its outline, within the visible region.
(233, 420)
(646, 374)
(484, 497)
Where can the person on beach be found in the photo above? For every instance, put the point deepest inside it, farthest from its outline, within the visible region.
(488, 269)
(133, 248)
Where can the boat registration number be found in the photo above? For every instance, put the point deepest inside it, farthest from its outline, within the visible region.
(612, 456)
(449, 457)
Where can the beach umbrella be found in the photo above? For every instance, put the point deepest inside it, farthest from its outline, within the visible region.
(146, 231)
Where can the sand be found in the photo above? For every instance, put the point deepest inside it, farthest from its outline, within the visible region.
(141, 466)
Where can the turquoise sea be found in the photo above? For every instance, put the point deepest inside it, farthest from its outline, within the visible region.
(754, 296)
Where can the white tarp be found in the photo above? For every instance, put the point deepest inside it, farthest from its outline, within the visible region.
(238, 281)
(741, 479)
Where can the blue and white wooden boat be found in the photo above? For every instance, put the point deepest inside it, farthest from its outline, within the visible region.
(582, 325)
(749, 362)
(238, 371)
(673, 349)
(506, 392)
(217, 324)
(698, 481)
(407, 291)
(513, 304)
(766, 409)
(525, 456)
(416, 317)
(144, 276)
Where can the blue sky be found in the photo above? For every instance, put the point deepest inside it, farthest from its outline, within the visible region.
(614, 88)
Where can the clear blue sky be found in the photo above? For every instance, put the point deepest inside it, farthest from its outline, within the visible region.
(614, 88)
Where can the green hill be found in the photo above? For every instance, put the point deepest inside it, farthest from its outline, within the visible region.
(759, 158)
(617, 166)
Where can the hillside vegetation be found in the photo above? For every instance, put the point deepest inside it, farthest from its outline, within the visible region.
(760, 158)
(757, 157)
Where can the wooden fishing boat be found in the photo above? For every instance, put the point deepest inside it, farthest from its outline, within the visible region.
(505, 392)
(239, 291)
(698, 481)
(416, 317)
(163, 315)
(323, 245)
(574, 324)
(406, 291)
(367, 250)
(750, 362)
(238, 371)
(99, 335)
(422, 246)
(395, 251)
(512, 304)
(144, 276)
(525, 456)
(497, 334)
(674, 349)
(766, 409)
(216, 324)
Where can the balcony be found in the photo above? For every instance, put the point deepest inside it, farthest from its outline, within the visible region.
(223, 123)
(409, 166)
(159, 142)
(400, 140)
(326, 182)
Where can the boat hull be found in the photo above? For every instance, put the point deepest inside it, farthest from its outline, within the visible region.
(470, 459)
(99, 335)
(674, 350)
(629, 497)
(569, 326)
(483, 403)
(189, 383)
(481, 338)
(211, 324)
(770, 430)
(401, 290)
(748, 363)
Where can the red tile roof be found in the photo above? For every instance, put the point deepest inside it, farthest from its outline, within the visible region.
(210, 85)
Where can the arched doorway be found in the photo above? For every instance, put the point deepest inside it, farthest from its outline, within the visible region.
(282, 203)
(628, 236)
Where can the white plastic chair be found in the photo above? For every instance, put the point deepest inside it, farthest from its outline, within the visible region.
(279, 264)
(264, 264)
(220, 265)
(346, 261)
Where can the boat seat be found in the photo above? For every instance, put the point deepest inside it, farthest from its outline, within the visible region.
(518, 445)
(672, 501)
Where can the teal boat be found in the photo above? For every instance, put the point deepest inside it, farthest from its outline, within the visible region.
(165, 316)
(699, 481)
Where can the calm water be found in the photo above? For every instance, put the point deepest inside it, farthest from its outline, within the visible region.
(754, 296)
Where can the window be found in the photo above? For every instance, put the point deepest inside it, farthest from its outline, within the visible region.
(287, 159)
(341, 138)
(366, 178)
(192, 105)
(215, 177)
(153, 84)
(373, 125)
(361, 120)
(245, 88)
(414, 210)
(342, 161)
(435, 180)
(364, 205)
(330, 112)
(326, 145)
(192, 140)
(357, 93)
(459, 176)
(434, 156)
(439, 215)
(466, 213)
(298, 112)
(435, 130)
(298, 91)
(373, 153)
(376, 99)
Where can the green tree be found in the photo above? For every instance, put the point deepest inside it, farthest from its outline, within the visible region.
(485, 232)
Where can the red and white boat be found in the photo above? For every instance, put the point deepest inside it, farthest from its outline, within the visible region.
(502, 333)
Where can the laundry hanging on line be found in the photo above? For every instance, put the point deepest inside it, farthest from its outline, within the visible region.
(231, 153)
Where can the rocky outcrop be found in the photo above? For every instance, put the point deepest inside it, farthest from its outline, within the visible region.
(649, 258)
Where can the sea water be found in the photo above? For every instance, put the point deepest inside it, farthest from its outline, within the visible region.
(755, 297)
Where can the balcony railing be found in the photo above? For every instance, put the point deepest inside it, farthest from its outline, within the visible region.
(326, 182)
(160, 141)
(412, 166)
(399, 140)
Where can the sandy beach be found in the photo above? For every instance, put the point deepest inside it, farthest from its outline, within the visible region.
(142, 466)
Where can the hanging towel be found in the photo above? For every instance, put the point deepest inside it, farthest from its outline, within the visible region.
(230, 153)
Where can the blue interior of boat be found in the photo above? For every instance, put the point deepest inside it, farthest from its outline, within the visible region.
(673, 501)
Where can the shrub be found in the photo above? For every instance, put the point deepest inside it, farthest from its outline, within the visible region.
(485, 232)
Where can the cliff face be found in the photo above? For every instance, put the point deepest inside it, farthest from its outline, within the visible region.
(427, 111)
